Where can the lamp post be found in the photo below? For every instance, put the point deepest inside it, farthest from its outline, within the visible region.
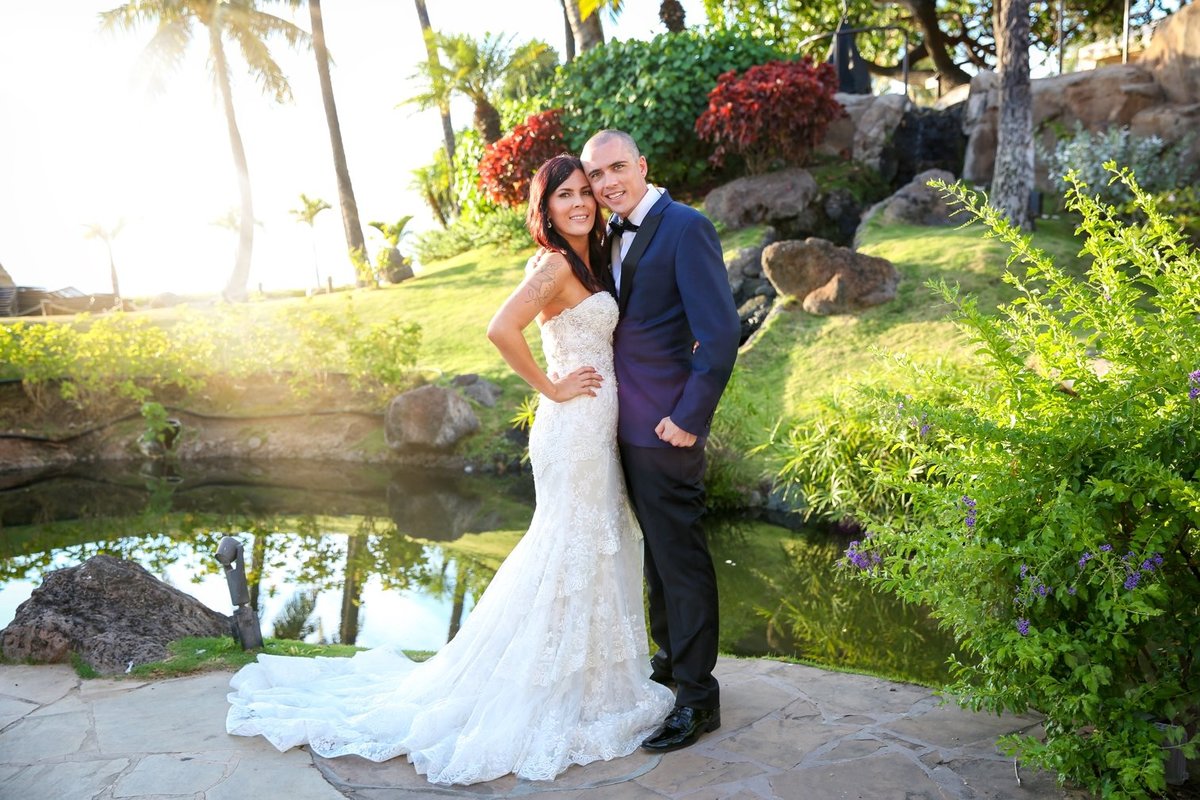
(245, 623)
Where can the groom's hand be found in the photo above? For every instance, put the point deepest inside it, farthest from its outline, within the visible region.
(674, 435)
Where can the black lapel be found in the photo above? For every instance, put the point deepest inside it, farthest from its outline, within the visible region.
(641, 240)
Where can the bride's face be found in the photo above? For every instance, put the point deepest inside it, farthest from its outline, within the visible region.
(572, 206)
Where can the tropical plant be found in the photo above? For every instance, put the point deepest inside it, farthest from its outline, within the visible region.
(771, 113)
(653, 90)
(1054, 517)
(476, 69)
(236, 21)
(106, 234)
(392, 265)
(433, 183)
(586, 31)
(307, 213)
(509, 164)
(346, 201)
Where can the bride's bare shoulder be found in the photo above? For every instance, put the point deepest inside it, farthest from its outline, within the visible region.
(545, 261)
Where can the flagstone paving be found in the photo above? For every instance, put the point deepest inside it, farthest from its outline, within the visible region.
(788, 732)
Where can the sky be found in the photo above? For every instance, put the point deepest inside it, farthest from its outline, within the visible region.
(83, 143)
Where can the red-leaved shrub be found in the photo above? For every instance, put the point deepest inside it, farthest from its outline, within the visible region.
(509, 163)
(774, 111)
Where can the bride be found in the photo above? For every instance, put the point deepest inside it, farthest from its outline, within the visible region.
(550, 668)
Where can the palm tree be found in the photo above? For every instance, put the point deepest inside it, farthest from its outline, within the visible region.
(242, 24)
(392, 264)
(672, 15)
(435, 69)
(474, 68)
(106, 235)
(307, 213)
(353, 228)
(585, 28)
(1013, 176)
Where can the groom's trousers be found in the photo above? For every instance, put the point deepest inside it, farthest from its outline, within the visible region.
(666, 486)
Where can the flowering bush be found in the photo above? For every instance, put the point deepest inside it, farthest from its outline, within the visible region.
(1053, 506)
(772, 112)
(509, 163)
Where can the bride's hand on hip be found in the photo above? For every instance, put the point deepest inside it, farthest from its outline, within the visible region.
(583, 381)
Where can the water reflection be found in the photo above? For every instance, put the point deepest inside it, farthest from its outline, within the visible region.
(373, 555)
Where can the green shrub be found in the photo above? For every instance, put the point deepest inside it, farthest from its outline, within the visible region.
(503, 228)
(1054, 518)
(1158, 165)
(654, 90)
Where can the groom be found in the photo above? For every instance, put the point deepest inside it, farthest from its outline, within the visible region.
(674, 347)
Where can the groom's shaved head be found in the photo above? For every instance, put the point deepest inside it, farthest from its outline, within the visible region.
(610, 134)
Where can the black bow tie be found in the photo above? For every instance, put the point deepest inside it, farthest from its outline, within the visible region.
(617, 226)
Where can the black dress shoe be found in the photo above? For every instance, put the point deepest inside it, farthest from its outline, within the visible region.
(683, 726)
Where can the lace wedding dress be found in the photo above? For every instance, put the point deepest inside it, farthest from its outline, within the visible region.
(550, 667)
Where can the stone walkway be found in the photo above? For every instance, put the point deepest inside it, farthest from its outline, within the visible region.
(789, 732)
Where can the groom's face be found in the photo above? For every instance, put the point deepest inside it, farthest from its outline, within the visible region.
(618, 177)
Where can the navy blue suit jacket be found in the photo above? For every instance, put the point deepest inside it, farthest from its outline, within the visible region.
(674, 295)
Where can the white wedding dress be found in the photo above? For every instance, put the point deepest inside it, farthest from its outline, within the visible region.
(550, 668)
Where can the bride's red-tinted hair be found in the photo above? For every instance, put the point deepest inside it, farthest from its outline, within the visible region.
(548, 178)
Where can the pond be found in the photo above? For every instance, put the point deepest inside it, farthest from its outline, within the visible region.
(386, 556)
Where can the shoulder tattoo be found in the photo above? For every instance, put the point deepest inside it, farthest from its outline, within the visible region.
(540, 287)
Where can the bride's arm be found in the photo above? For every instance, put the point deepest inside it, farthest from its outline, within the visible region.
(543, 282)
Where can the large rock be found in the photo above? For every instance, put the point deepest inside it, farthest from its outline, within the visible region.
(1174, 55)
(428, 418)
(1098, 99)
(110, 612)
(875, 130)
(916, 203)
(829, 279)
(783, 199)
(479, 389)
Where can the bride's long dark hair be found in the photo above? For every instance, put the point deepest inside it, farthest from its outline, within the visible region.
(545, 182)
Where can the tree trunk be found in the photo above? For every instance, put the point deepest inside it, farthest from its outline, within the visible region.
(998, 29)
(570, 34)
(672, 15)
(235, 289)
(112, 270)
(487, 120)
(350, 222)
(351, 589)
(587, 32)
(435, 64)
(937, 43)
(1012, 180)
(460, 596)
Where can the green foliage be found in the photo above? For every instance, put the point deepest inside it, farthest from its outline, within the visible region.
(155, 416)
(104, 364)
(1181, 204)
(654, 91)
(473, 202)
(1158, 165)
(503, 228)
(1053, 517)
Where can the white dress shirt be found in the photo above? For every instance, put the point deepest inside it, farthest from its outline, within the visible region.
(636, 217)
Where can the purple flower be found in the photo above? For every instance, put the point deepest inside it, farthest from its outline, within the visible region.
(1024, 570)
(1194, 392)
(924, 430)
(1071, 590)
(1023, 626)
(1157, 559)
(1104, 548)
(971, 513)
(1194, 377)
(1083, 559)
(1042, 590)
(1147, 566)
(1131, 582)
